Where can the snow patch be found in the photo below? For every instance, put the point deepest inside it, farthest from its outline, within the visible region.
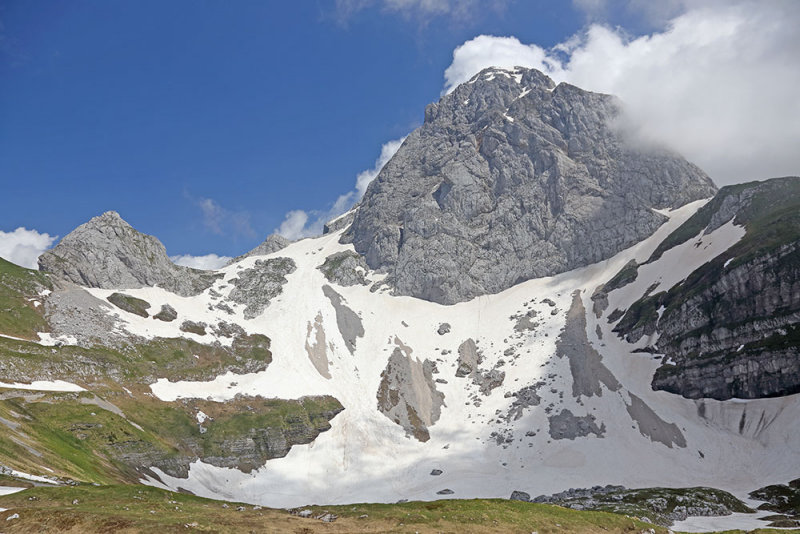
(44, 385)
(8, 490)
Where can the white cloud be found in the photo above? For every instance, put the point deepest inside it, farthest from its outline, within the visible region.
(298, 223)
(294, 225)
(490, 51)
(718, 84)
(212, 214)
(208, 262)
(421, 10)
(221, 221)
(364, 178)
(23, 246)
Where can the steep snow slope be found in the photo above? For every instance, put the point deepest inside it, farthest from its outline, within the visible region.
(550, 399)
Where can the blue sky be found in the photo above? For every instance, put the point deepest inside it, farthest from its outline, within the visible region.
(205, 123)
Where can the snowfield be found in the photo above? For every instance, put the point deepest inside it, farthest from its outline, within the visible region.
(582, 432)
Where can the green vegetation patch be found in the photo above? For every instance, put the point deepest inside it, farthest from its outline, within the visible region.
(772, 221)
(177, 358)
(110, 438)
(626, 275)
(781, 498)
(73, 439)
(699, 221)
(19, 290)
(194, 327)
(335, 262)
(131, 508)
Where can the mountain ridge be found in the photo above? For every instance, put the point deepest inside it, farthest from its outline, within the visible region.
(476, 199)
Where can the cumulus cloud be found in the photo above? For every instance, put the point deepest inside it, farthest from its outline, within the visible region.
(208, 262)
(491, 51)
(23, 246)
(718, 83)
(295, 225)
(298, 223)
(221, 221)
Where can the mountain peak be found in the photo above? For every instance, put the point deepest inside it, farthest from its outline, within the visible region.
(107, 252)
(510, 178)
(273, 243)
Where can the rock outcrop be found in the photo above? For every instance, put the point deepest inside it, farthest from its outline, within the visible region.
(108, 253)
(259, 430)
(345, 268)
(407, 393)
(257, 286)
(732, 328)
(510, 178)
(661, 506)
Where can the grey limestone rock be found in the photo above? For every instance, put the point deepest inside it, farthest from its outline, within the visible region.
(443, 329)
(342, 221)
(468, 358)
(166, 314)
(524, 398)
(663, 505)
(273, 243)
(517, 495)
(345, 268)
(407, 393)
(71, 311)
(732, 327)
(509, 180)
(257, 286)
(107, 252)
(652, 426)
(194, 327)
(129, 304)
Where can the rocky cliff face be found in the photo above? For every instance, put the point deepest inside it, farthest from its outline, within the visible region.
(512, 177)
(107, 252)
(732, 328)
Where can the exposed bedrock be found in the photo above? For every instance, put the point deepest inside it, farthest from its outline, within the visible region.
(345, 268)
(107, 252)
(257, 286)
(509, 181)
(407, 393)
(732, 327)
(242, 434)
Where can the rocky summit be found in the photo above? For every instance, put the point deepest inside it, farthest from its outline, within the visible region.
(512, 177)
(107, 252)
